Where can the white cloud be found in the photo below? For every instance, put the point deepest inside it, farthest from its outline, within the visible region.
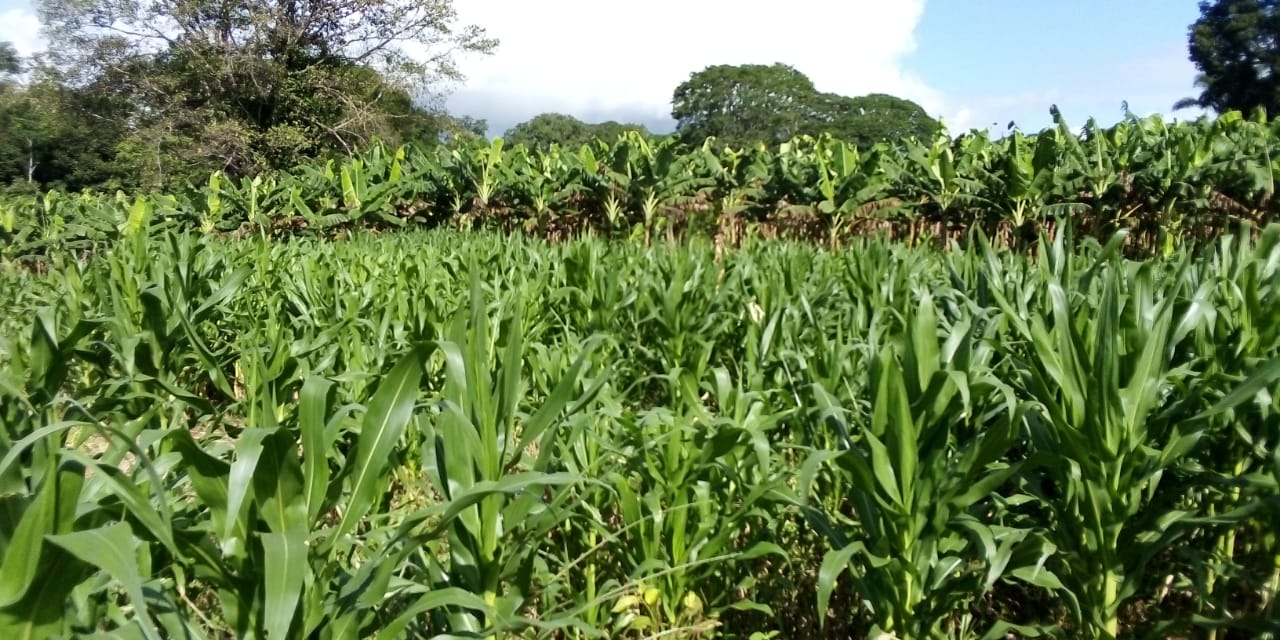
(600, 59)
(608, 59)
(22, 28)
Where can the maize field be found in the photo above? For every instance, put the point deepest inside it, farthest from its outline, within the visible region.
(969, 388)
(471, 434)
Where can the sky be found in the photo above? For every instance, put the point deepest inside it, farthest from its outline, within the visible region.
(973, 64)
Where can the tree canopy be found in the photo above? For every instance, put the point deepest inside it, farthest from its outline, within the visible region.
(10, 62)
(866, 120)
(190, 86)
(546, 129)
(745, 104)
(1235, 44)
(750, 104)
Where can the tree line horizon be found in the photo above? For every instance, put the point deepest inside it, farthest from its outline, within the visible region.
(134, 95)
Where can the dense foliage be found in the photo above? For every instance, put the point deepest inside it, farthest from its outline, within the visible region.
(1167, 184)
(546, 129)
(56, 136)
(411, 434)
(745, 105)
(10, 61)
(153, 94)
(1025, 385)
(1236, 46)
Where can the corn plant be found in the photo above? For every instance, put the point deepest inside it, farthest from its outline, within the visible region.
(692, 501)
(923, 466)
(1109, 429)
(304, 433)
(482, 440)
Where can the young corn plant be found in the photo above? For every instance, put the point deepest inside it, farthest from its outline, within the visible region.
(692, 503)
(481, 439)
(1238, 460)
(1116, 412)
(916, 535)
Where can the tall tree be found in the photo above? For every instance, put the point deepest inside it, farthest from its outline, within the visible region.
(55, 137)
(744, 105)
(243, 85)
(13, 128)
(10, 62)
(751, 104)
(546, 129)
(1236, 46)
(878, 117)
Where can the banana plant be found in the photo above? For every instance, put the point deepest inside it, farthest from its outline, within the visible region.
(481, 165)
(605, 182)
(850, 185)
(540, 183)
(1025, 186)
(742, 180)
(1250, 164)
(661, 180)
(945, 179)
(1175, 175)
(373, 190)
(1093, 165)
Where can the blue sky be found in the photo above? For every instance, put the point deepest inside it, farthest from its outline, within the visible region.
(975, 63)
(1010, 59)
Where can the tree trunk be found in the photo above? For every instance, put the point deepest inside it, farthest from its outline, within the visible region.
(31, 161)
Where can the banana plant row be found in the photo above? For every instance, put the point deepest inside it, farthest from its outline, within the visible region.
(1165, 183)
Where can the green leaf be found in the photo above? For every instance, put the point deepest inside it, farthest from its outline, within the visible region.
(248, 451)
(139, 504)
(53, 510)
(113, 549)
(893, 410)
(22, 553)
(285, 570)
(833, 564)
(313, 407)
(882, 467)
(384, 423)
(432, 600)
(43, 612)
(1038, 576)
(1261, 378)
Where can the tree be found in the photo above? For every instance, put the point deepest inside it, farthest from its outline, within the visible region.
(253, 84)
(611, 130)
(470, 125)
(751, 104)
(744, 105)
(877, 117)
(10, 62)
(54, 137)
(546, 129)
(1235, 44)
(21, 123)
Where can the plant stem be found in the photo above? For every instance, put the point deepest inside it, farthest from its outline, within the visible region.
(1273, 587)
(1110, 589)
(591, 579)
(491, 599)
